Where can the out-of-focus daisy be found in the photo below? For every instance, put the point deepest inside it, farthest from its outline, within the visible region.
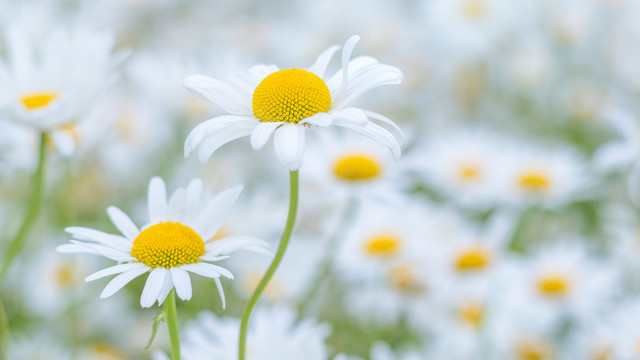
(177, 239)
(285, 103)
(275, 334)
(622, 153)
(464, 165)
(54, 79)
(550, 178)
(345, 164)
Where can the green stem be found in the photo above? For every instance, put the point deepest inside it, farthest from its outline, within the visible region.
(172, 324)
(16, 245)
(4, 332)
(282, 247)
(327, 261)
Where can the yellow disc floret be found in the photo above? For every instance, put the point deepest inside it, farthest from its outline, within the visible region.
(39, 100)
(290, 95)
(357, 167)
(385, 245)
(534, 181)
(472, 259)
(168, 244)
(554, 285)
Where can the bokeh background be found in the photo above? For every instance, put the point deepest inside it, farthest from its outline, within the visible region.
(507, 230)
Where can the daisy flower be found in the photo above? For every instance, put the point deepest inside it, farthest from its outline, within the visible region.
(285, 103)
(52, 80)
(177, 240)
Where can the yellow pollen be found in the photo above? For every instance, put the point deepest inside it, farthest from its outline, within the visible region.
(356, 167)
(38, 100)
(472, 259)
(168, 244)
(553, 285)
(382, 246)
(469, 172)
(535, 181)
(290, 95)
(471, 313)
(474, 9)
(403, 278)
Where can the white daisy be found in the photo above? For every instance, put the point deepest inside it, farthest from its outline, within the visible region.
(55, 78)
(285, 103)
(177, 240)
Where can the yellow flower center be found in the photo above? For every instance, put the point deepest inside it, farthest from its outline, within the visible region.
(168, 244)
(64, 275)
(553, 285)
(472, 259)
(357, 167)
(471, 313)
(39, 100)
(403, 278)
(382, 246)
(533, 350)
(290, 95)
(535, 181)
(474, 9)
(469, 172)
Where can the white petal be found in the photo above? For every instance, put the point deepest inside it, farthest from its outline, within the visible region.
(289, 143)
(229, 98)
(395, 129)
(120, 281)
(166, 288)
(379, 134)
(123, 223)
(157, 200)
(221, 291)
(177, 206)
(346, 55)
(613, 156)
(215, 212)
(349, 116)
(153, 287)
(64, 142)
(368, 78)
(227, 134)
(259, 72)
(116, 242)
(194, 191)
(209, 127)
(106, 251)
(320, 66)
(182, 283)
(233, 243)
(117, 269)
(209, 270)
(262, 132)
(319, 119)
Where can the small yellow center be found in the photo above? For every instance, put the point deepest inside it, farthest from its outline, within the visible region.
(403, 278)
(64, 275)
(471, 313)
(39, 100)
(290, 95)
(383, 246)
(472, 259)
(168, 244)
(535, 181)
(474, 9)
(533, 350)
(357, 167)
(553, 285)
(469, 172)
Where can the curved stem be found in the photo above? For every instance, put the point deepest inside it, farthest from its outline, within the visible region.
(327, 262)
(16, 245)
(4, 332)
(282, 247)
(172, 324)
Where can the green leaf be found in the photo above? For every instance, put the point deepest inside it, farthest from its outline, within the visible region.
(160, 317)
